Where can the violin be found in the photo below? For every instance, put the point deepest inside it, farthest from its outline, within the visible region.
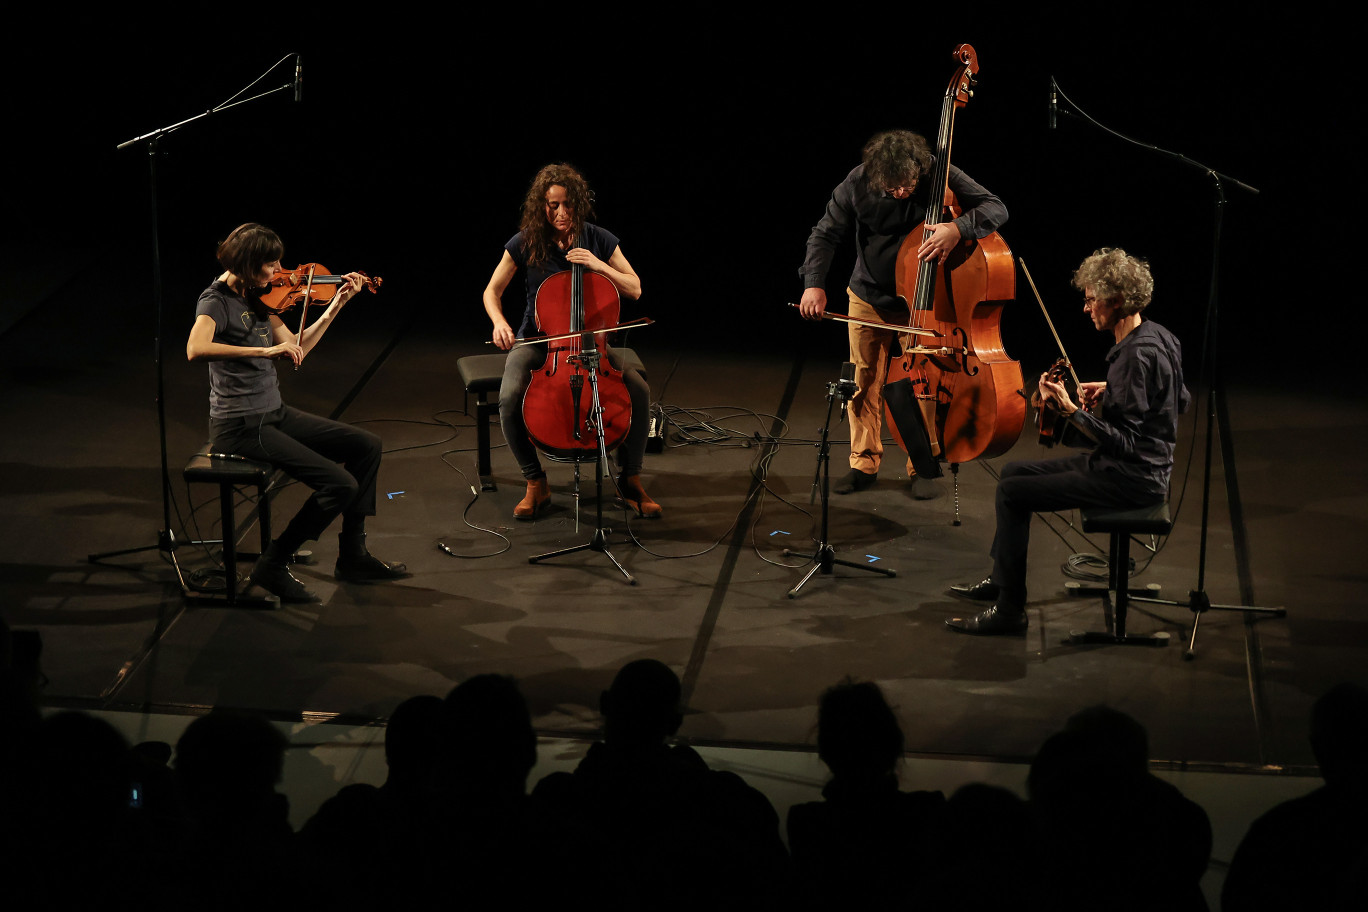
(1050, 421)
(307, 284)
(559, 407)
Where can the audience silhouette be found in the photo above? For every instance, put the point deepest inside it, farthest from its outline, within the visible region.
(1312, 852)
(867, 845)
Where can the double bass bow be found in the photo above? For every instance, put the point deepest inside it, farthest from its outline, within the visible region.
(966, 387)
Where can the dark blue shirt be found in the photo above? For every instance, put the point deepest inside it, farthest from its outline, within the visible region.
(598, 241)
(1138, 424)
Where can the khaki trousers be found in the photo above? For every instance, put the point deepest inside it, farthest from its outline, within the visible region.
(870, 351)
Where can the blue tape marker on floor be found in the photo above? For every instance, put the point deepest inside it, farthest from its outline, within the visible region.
(778, 532)
(392, 494)
(871, 557)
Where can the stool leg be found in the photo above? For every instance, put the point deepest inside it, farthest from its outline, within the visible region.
(229, 548)
(483, 411)
(1120, 574)
(264, 516)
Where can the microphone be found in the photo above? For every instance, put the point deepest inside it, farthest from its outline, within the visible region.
(1054, 104)
(845, 387)
(299, 82)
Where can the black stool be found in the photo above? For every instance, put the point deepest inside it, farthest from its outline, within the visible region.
(1121, 524)
(483, 374)
(230, 472)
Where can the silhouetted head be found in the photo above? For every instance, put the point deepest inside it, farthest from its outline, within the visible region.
(229, 757)
(413, 737)
(857, 732)
(1112, 737)
(1339, 735)
(642, 705)
(84, 765)
(492, 739)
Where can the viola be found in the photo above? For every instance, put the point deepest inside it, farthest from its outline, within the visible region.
(558, 407)
(965, 386)
(1050, 421)
(309, 283)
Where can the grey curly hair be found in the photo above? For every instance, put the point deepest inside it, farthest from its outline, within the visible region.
(1114, 275)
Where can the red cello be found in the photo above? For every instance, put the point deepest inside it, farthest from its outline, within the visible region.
(967, 387)
(558, 405)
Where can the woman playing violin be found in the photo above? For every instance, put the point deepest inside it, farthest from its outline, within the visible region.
(553, 235)
(242, 340)
(1133, 418)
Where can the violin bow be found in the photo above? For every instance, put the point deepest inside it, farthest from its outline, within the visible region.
(304, 308)
(1048, 321)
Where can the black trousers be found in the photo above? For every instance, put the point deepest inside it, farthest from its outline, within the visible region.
(339, 462)
(1034, 486)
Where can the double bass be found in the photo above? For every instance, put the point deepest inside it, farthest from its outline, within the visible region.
(965, 387)
(558, 405)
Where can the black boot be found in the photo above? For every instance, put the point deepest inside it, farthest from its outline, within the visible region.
(272, 573)
(853, 481)
(357, 565)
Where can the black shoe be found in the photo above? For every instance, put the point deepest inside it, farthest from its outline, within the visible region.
(855, 480)
(986, 591)
(1000, 620)
(276, 579)
(366, 567)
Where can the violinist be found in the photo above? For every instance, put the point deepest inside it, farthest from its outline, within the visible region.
(880, 202)
(555, 233)
(242, 340)
(1133, 416)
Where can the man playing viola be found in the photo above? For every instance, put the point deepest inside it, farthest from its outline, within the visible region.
(242, 339)
(881, 201)
(1133, 416)
(554, 235)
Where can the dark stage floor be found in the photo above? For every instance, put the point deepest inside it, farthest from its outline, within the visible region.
(79, 476)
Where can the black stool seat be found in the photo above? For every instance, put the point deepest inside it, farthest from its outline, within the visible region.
(481, 373)
(230, 472)
(1151, 520)
(1121, 523)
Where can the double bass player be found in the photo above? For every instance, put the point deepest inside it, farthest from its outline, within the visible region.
(879, 203)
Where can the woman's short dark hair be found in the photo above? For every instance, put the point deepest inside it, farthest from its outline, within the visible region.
(249, 248)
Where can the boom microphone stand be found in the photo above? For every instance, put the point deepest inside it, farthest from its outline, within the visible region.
(166, 537)
(1198, 600)
(824, 558)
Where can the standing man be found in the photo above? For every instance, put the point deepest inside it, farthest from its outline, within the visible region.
(1135, 428)
(881, 201)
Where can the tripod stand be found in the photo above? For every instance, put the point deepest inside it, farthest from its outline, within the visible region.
(1198, 601)
(590, 359)
(824, 558)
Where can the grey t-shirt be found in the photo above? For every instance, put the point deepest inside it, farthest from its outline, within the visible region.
(239, 386)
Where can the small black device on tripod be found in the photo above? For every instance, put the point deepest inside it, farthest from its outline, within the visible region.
(824, 558)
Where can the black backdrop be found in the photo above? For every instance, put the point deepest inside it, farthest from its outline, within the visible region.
(712, 142)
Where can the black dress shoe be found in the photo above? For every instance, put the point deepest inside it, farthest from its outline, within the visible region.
(986, 591)
(999, 620)
(277, 579)
(366, 567)
(855, 480)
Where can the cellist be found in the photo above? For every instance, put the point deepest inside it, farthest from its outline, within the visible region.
(880, 202)
(555, 233)
(1133, 416)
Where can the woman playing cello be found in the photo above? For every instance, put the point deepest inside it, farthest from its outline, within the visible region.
(555, 235)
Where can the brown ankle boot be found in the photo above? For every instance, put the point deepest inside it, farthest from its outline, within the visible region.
(538, 496)
(635, 496)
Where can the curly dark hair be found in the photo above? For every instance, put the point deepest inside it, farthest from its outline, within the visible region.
(895, 158)
(247, 249)
(1114, 275)
(537, 232)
